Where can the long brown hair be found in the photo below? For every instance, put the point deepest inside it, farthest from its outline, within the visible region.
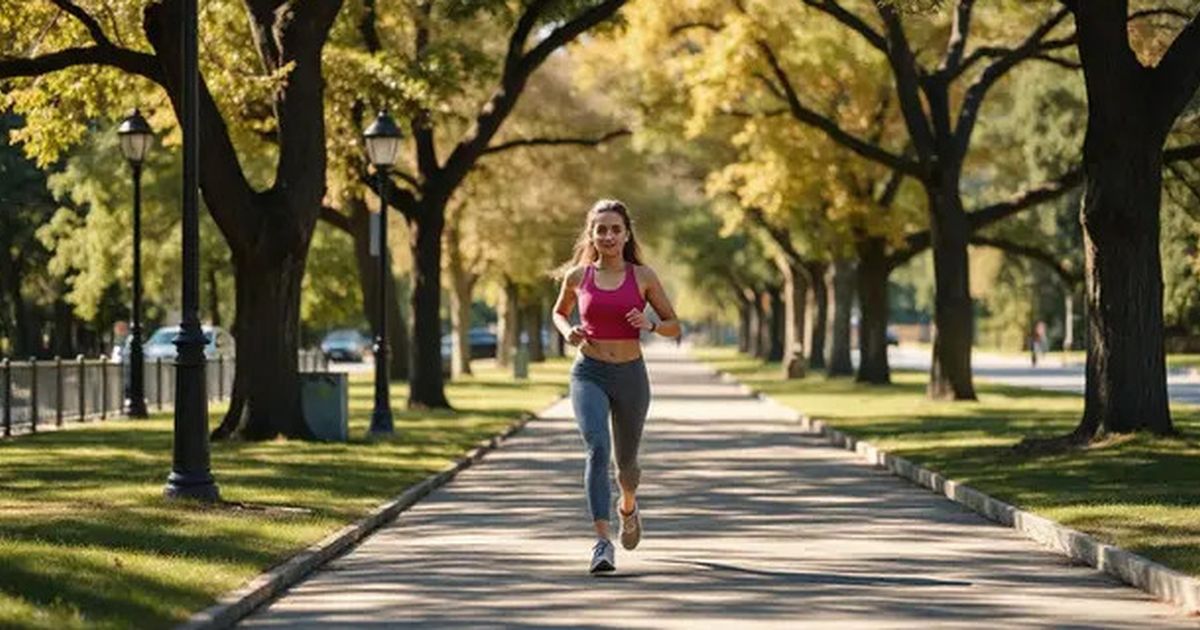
(585, 252)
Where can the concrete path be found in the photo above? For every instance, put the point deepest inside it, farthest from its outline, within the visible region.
(749, 523)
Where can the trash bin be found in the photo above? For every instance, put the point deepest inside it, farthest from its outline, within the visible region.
(324, 398)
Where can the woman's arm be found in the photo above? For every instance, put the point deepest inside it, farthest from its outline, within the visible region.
(668, 326)
(563, 306)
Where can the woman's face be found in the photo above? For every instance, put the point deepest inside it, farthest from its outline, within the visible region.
(609, 234)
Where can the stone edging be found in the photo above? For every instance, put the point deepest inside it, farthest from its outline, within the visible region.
(237, 604)
(1164, 583)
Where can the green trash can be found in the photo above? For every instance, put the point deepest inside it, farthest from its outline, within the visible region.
(324, 398)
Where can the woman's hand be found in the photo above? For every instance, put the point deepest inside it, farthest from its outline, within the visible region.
(577, 337)
(637, 319)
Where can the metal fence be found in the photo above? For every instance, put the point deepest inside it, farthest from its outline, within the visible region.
(35, 394)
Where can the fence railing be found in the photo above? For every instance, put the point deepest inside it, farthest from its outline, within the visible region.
(36, 394)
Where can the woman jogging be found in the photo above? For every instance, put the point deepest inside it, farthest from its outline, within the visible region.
(607, 279)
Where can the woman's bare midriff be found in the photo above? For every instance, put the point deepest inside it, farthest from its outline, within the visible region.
(612, 350)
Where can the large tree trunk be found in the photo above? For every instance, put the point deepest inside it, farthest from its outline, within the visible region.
(873, 271)
(1131, 109)
(214, 297)
(776, 324)
(462, 284)
(745, 335)
(758, 325)
(426, 388)
(795, 294)
(399, 355)
(1126, 371)
(950, 370)
(268, 231)
(819, 309)
(266, 390)
(25, 341)
(508, 318)
(533, 329)
(841, 284)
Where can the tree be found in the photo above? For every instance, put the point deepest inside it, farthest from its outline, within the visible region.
(1132, 107)
(25, 204)
(268, 228)
(510, 238)
(749, 58)
(423, 197)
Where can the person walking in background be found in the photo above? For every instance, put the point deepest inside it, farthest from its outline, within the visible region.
(611, 285)
(1037, 343)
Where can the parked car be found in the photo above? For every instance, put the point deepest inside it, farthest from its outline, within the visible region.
(218, 342)
(345, 344)
(481, 340)
(892, 338)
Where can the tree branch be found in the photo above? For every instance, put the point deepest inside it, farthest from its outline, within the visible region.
(336, 219)
(399, 198)
(407, 178)
(828, 126)
(93, 27)
(1025, 199)
(130, 61)
(1183, 153)
(542, 142)
(907, 74)
(851, 21)
(711, 27)
(1070, 278)
(918, 242)
(974, 95)
(517, 70)
(1177, 75)
(767, 113)
(957, 44)
(781, 236)
(421, 124)
(230, 199)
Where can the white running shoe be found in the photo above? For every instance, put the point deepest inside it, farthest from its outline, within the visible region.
(631, 527)
(602, 557)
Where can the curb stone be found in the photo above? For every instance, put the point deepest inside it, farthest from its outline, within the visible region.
(1162, 582)
(239, 603)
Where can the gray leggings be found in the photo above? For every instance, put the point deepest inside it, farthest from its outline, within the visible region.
(597, 388)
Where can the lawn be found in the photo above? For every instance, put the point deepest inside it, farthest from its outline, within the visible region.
(1139, 492)
(87, 541)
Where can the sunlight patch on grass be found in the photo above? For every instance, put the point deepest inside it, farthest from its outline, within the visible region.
(86, 539)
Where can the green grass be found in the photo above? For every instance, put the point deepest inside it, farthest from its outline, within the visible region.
(87, 541)
(1139, 492)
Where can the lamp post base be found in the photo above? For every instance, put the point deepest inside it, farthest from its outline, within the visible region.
(196, 487)
(381, 422)
(135, 408)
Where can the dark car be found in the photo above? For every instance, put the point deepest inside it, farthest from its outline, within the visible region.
(481, 340)
(345, 345)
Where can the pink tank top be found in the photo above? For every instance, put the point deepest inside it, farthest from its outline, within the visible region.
(603, 312)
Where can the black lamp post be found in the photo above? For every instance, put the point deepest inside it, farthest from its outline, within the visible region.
(136, 138)
(190, 476)
(382, 138)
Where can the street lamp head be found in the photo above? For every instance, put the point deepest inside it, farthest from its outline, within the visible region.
(383, 140)
(136, 137)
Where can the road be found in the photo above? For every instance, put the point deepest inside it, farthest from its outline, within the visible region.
(1183, 386)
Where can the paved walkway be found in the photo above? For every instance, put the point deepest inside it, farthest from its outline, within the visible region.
(749, 523)
(1183, 385)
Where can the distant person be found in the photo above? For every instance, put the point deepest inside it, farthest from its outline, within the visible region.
(1037, 343)
(611, 285)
